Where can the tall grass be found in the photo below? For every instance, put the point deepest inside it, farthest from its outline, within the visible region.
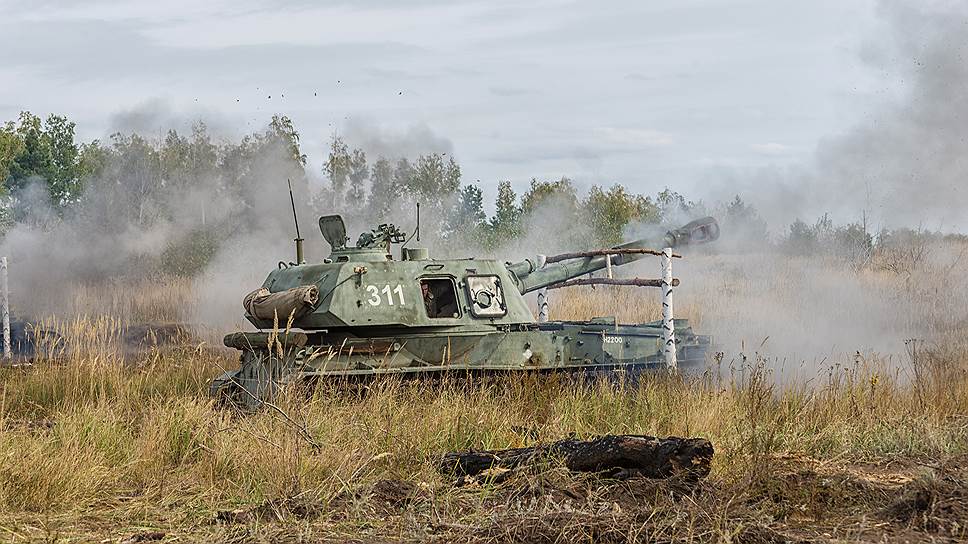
(93, 437)
(79, 431)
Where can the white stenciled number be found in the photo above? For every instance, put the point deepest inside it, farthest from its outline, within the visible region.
(388, 292)
(374, 299)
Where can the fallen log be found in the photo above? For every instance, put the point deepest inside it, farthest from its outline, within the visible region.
(648, 456)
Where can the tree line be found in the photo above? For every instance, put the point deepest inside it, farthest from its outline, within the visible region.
(42, 165)
(222, 187)
(456, 211)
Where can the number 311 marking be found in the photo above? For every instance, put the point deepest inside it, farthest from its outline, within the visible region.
(375, 294)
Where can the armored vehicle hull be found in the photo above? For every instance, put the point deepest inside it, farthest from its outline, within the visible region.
(599, 347)
(362, 314)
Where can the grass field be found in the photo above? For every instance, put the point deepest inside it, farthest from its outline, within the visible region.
(99, 444)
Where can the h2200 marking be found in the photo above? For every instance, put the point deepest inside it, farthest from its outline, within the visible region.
(377, 295)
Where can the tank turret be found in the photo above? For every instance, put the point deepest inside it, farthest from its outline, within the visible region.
(531, 274)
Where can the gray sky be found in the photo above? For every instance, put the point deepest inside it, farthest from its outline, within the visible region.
(650, 94)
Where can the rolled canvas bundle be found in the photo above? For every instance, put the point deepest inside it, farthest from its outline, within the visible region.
(297, 302)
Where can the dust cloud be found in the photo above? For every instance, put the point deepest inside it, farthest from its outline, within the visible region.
(903, 165)
(130, 219)
(804, 313)
(905, 162)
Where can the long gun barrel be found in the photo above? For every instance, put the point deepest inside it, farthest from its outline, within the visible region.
(531, 275)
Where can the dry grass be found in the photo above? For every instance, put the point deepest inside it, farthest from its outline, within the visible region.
(98, 445)
(166, 299)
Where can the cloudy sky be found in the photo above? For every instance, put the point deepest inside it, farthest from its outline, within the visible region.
(662, 93)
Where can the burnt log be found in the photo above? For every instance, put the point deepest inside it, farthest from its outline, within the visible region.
(648, 456)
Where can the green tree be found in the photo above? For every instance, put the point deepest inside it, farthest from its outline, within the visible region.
(188, 162)
(383, 190)
(561, 194)
(174, 158)
(672, 204)
(802, 238)
(609, 212)
(234, 164)
(11, 146)
(257, 174)
(190, 254)
(553, 207)
(853, 243)
(434, 181)
(282, 132)
(34, 162)
(505, 225)
(43, 152)
(467, 218)
(743, 223)
(133, 184)
(92, 159)
(401, 190)
(190, 166)
(358, 174)
(203, 154)
(338, 168)
(63, 181)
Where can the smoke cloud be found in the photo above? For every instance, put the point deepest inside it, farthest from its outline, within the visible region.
(156, 116)
(138, 219)
(378, 140)
(807, 314)
(904, 163)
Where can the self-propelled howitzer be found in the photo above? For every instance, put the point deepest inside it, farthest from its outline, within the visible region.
(361, 313)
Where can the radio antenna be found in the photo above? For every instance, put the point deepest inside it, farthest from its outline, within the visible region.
(298, 239)
(418, 221)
